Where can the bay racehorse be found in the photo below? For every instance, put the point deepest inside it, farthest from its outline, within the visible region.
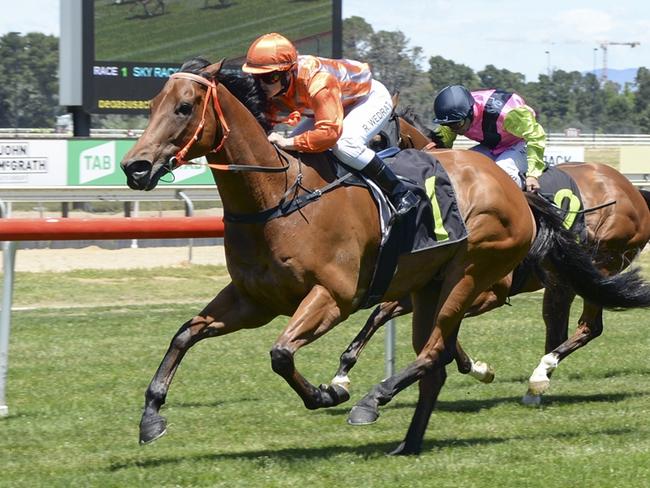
(618, 228)
(315, 264)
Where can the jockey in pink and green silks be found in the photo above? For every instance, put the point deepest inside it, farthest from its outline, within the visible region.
(505, 127)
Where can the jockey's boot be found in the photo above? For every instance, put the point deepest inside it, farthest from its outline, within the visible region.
(403, 199)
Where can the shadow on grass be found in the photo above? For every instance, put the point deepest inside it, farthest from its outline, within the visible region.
(474, 406)
(216, 403)
(367, 451)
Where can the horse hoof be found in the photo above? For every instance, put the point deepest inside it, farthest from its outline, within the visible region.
(339, 393)
(531, 400)
(539, 387)
(483, 372)
(330, 396)
(402, 450)
(152, 429)
(362, 415)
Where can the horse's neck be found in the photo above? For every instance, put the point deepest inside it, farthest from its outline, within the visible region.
(250, 191)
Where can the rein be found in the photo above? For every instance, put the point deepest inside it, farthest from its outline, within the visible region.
(179, 158)
(290, 201)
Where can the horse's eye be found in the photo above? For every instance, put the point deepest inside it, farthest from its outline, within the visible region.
(184, 109)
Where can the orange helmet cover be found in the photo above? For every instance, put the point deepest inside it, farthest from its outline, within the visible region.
(270, 52)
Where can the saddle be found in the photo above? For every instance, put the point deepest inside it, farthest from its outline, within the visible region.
(435, 222)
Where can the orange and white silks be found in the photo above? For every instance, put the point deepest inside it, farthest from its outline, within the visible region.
(322, 88)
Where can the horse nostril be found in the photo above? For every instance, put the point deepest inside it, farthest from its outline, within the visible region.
(138, 167)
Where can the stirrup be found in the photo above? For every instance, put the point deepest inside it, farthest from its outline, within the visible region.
(407, 202)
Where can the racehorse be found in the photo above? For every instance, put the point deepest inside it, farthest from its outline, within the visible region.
(618, 228)
(315, 264)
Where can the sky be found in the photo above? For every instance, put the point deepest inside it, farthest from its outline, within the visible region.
(529, 37)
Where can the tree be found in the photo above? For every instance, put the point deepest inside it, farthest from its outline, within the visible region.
(443, 72)
(356, 38)
(561, 100)
(392, 62)
(642, 99)
(28, 80)
(492, 77)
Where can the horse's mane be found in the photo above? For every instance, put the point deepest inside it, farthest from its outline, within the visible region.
(410, 116)
(243, 86)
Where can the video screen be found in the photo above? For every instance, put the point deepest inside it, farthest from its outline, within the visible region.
(138, 44)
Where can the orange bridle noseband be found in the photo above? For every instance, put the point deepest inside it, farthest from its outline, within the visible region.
(211, 92)
(179, 158)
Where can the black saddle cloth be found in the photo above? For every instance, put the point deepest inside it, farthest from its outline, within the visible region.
(559, 188)
(436, 221)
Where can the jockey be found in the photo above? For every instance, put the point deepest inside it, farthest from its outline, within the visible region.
(505, 127)
(340, 105)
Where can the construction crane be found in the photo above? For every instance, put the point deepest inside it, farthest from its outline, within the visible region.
(603, 46)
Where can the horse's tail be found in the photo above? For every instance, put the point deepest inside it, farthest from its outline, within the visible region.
(646, 195)
(573, 264)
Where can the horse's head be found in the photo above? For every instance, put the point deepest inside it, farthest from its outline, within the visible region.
(182, 125)
(414, 133)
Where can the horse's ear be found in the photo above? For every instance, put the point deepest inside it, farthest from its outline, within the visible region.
(395, 99)
(213, 69)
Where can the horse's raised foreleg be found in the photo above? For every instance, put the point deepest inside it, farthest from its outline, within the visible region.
(556, 310)
(227, 313)
(381, 315)
(318, 313)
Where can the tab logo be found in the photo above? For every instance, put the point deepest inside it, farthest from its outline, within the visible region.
(97, 162)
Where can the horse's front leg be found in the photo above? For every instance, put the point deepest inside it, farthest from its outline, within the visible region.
(318, 313)
(226, 313)
(381, 315)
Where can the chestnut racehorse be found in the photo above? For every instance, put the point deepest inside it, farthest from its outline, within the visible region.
(618, 228)
(315, 264)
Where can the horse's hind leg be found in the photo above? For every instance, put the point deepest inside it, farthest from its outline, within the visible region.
(590, 326)
(556, 312)
(434, 352)
(381, 315)
(228, 312)
(429, 389)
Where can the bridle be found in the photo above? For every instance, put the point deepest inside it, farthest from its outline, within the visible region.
(289, 202)
(211, 93)
(179, 158)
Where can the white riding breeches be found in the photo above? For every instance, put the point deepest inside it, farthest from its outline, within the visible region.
(513, 161)
(361, 122)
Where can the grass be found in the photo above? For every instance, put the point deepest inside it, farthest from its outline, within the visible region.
(85, 344)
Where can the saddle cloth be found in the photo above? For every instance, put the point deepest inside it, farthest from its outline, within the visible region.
(560, 189)
(436, 221)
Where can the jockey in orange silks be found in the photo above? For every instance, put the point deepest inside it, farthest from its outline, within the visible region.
(333, 104)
